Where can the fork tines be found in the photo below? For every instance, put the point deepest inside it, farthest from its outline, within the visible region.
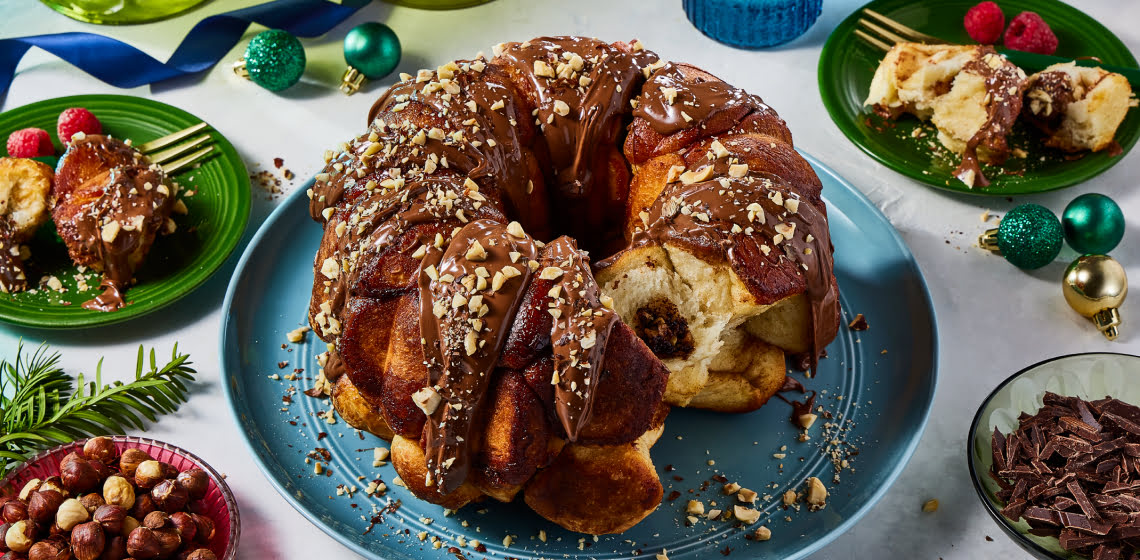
(166, 158)
(885, 32)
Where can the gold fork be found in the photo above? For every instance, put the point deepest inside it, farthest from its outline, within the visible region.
(882, 32)
(169, 158)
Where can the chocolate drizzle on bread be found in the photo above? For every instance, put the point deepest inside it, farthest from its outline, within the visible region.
(1005, 84)
(434, 215)
(112, 202)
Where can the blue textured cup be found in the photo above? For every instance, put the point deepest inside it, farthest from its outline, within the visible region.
(753, 23)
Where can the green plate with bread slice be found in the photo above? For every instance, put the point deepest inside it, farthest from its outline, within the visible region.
(910, 147)
(216, 193)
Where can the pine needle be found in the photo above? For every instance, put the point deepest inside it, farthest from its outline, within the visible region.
(40, 405)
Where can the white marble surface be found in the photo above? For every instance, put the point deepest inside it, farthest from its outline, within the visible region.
(993, 318)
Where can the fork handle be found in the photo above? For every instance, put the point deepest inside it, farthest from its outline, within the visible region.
(1033, 62)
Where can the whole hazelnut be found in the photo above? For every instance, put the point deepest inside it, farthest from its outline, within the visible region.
(156, 520)
(3, 531)
(55, 531)
(92, 502)
(148, 474)
(51, 549)
(129, 524)
(101, 449)
(29, 487)
(71, 513)
(79, 476)
(116, 548)
(54, 483)
(195, 481)
(43, 505)
(168, 541)
(205, 527)
(14, 511)
(67, 459)
(201, 554)
(169, 496)
(185, 525)
(144, 504)
(19, 536)
(130, 460)
(88, 541)
(143, 544)
(111, 517)
(117, 491)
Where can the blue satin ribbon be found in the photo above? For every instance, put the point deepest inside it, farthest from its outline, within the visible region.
(122, 65)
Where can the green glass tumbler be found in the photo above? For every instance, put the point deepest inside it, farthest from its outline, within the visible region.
(437, 4)
(120, 12)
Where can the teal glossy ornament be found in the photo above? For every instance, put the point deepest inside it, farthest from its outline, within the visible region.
(372, 51)
(273, 60)
(1029, 236)
(1093, 224)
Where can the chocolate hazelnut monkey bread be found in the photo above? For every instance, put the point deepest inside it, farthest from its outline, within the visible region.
(499, 363)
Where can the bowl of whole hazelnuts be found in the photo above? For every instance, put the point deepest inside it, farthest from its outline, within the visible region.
(117, 498)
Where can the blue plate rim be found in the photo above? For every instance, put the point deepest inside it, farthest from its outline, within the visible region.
(995, 514)
(227, 373)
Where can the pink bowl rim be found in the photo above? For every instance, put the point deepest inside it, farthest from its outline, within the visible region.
(227, 494)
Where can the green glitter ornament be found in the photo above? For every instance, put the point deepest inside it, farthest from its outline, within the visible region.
(1093, 224)
(1029, 237)
(372, 51)
(274, 60)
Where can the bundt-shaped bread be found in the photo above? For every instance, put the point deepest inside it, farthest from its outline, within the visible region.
(495, 362)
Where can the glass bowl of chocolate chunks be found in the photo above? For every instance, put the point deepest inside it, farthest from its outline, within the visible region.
(1055, 457)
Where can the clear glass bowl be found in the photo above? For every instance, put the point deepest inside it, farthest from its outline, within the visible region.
(1088, 376)
(218, 503)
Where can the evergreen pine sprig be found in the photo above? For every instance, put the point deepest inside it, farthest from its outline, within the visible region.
(40, 405)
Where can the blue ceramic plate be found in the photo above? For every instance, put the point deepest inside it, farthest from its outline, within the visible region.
(877, 386)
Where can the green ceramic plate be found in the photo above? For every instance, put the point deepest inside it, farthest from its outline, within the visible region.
(178, 263)
(847, 64)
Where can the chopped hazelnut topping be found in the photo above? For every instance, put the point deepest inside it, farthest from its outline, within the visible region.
(718, 149)
(551, 273)
(427, 399)
(297, 335)
(330, 269)
(737, 170)
(702, 174)
(806, 420)
(542, 69)
(110, 231)
(762, 534)
(695, 507)
(561, 108)
(476, 252)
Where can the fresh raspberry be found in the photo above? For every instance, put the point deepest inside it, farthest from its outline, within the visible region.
(29, 143)
(77, 119)
(984, 23)
(1028, 32)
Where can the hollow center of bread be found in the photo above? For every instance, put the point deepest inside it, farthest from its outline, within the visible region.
(663, 328)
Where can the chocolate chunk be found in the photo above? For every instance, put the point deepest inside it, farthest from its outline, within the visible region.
(1072, 470)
